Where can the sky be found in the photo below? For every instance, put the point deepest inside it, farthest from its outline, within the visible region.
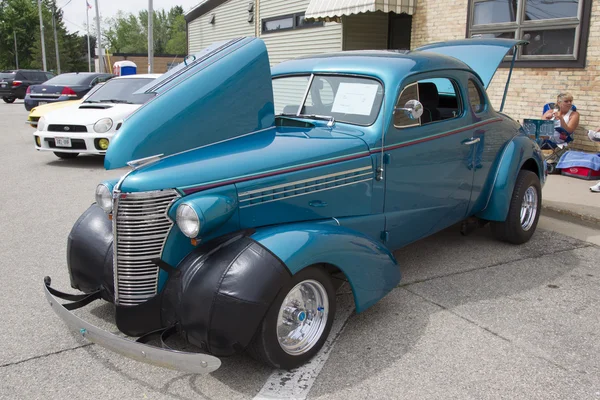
(75, 10)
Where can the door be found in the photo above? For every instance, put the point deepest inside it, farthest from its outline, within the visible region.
(400, 28)
(429, 161)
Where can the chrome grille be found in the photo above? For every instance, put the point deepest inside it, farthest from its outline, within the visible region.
(141, 229)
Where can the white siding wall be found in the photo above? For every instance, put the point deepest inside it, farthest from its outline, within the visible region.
(231, 21)
(294, 43)
(366, 31)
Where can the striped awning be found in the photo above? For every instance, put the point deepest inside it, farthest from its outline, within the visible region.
(334, 9)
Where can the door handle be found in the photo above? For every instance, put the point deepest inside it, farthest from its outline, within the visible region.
(472, 141)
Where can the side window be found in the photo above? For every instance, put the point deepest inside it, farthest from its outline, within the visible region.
(476, 98)
(439, 98)
(21, 76)
(401, 120)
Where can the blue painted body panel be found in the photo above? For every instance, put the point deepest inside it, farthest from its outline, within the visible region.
(482, 55)
(517, 152)
(313, 193)
(194, 110)
(370, 267)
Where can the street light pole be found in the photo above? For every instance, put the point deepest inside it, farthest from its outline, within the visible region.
(99, 40)
(150, 38)
(55, 41)
(42, 35)
(16, 51)
(87, 16)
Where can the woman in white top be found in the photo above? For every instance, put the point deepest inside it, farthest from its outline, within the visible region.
(563, 116)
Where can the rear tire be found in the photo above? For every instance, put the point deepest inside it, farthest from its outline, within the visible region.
(9, 100)
(268, 347)
(65, 156)
(524, 210)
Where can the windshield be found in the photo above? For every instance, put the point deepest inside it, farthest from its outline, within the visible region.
(7, 75)
(121, 91)
(70, 79)
(344, 98)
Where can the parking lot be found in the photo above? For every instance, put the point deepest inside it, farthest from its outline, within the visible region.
(472, 319)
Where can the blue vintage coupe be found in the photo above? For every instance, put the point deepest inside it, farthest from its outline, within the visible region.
(254, 193)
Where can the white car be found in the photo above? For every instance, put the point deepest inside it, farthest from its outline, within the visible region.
(88, 127)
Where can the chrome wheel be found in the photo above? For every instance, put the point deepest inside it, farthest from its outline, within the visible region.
(302, 317)
(529, 208)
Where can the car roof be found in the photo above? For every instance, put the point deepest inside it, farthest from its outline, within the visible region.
(378, 63)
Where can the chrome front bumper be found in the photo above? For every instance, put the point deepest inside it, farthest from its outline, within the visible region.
(197, 363)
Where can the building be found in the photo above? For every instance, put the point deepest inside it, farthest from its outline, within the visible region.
(563, 54)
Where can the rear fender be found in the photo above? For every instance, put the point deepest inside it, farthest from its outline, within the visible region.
(521, 152)
(370, 267)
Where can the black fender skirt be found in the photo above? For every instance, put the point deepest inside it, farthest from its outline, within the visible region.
(217, 296)
(90, 253)
(220, 293)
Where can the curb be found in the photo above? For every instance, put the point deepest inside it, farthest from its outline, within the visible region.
(552, 210)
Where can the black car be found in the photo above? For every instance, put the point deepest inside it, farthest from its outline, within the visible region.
(14, 83)
(70, 86)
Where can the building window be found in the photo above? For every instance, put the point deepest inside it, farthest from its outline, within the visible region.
(287, 22)
(557, 30)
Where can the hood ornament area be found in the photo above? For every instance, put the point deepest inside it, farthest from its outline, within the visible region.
(135, 164)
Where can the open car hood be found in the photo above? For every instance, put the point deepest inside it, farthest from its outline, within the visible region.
(482, 55)
(222, 92)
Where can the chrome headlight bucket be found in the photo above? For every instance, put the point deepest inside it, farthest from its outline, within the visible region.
(188, 220)
(103, 125)
(104, 197)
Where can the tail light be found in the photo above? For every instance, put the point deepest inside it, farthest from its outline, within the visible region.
(16, 83)
(67, 91)
(28, 89)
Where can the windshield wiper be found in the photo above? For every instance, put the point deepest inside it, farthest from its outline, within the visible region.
(313, 116)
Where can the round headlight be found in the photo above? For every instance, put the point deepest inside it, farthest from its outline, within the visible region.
(188, 221)
(104, 197)
(103, 125)
(41, 124)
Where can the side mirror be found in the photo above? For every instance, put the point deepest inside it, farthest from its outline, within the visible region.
(413, 109)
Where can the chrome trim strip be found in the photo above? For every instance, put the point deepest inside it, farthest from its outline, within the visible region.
(304, 194)
(310, 81)
(304, 181)
(196, 363)
(335, 181)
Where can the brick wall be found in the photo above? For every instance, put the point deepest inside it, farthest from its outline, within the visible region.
(160, 62)
(530, 88)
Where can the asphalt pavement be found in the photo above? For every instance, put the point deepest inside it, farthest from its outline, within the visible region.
(472, 319)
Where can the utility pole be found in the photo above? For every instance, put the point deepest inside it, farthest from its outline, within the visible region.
(150, 38)
(16, 51)
(55, 40)
(87, 15)
(99, 40)
(42, 35)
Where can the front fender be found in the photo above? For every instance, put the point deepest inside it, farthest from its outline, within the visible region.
(519, 151)
(370, 267)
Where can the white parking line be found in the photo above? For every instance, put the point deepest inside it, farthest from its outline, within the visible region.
(297, 383)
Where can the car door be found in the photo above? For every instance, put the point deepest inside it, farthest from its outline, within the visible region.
(429, 169)
(491, 139)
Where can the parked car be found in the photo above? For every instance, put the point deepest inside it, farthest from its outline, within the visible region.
(15, 83)
(37, 112)
(69, 86)
(88, 127)
(255, 192)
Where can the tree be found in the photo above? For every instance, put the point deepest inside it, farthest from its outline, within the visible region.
(127, 33)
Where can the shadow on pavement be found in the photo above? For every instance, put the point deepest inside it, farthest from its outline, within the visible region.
(81, 161)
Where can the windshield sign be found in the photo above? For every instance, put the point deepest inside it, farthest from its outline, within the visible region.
(121, 91)
(342, 98)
